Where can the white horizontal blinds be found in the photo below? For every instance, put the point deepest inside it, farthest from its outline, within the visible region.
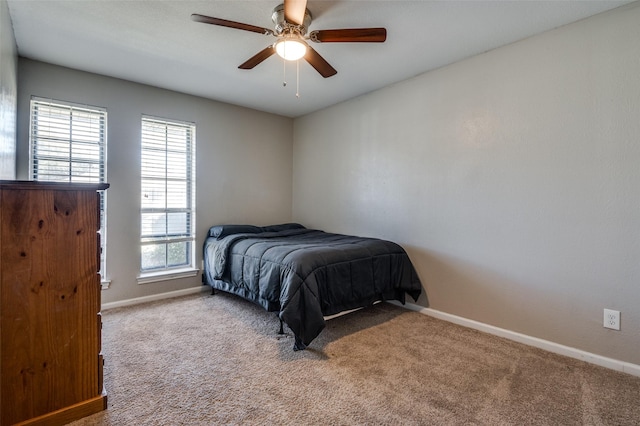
(67, 142)
(167, 196)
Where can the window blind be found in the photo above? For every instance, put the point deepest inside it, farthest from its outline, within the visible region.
(67, 142)
(167, 194)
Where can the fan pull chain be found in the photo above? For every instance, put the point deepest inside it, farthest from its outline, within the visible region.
(284, 76)
(284, 73)
(298, 79)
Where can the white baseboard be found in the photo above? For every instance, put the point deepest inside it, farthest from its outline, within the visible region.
(614, 364)
(154, 297)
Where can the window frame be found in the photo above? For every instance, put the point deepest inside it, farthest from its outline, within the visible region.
(168, 271)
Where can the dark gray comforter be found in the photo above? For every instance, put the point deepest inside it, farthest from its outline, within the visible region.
(306, 274)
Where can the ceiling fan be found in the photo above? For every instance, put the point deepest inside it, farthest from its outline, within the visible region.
(292, 19)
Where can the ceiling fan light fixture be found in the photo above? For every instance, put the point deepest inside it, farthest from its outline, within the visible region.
(291, 49)
(292, 20)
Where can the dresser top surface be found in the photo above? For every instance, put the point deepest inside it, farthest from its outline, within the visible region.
(59, 186)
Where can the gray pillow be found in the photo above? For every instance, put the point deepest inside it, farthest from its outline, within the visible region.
(221, 231)
(283, 227)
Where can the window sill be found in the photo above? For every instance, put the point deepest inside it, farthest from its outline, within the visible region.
(173, 274)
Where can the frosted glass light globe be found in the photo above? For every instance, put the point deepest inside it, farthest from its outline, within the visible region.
(291, 50)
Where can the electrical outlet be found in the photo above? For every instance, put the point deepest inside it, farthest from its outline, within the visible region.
(612, 319)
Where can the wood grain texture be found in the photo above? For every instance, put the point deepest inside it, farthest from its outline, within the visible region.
(49, 287)
(294, 11)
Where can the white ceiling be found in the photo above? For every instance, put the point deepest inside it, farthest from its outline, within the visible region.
(155, 42)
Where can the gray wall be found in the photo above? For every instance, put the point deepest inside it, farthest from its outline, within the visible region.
(243, 165)
(512, 179)
(8, 95)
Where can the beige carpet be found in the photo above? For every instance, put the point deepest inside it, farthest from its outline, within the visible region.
(209, 360)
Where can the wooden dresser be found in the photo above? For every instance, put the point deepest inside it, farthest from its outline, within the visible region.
(50, 324)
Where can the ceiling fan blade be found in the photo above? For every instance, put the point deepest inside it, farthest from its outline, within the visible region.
(352, 35)
(230, 24)
(318, 62)
(294, 11)
(258, 58)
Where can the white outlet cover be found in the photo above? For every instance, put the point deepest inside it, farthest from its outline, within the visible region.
(611, 319)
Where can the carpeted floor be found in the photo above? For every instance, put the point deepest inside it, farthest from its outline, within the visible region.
(218, 360)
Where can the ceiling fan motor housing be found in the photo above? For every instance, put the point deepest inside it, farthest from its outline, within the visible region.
(282, 26)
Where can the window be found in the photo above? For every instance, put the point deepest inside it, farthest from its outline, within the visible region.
(68, 144)
(167, 196)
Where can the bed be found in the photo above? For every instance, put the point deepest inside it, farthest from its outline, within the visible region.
(306, 274)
